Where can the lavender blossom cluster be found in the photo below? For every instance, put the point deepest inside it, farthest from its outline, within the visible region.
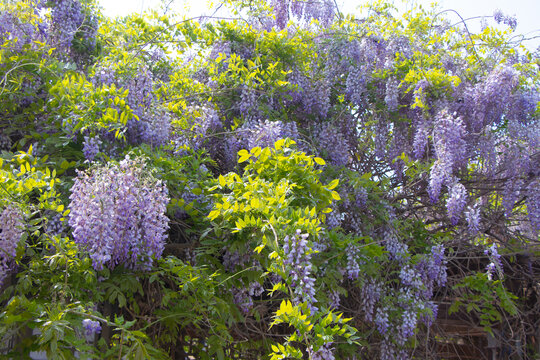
(325, 352)
(457, 198)
(397, 250)
(17, 33)
(55, 224)
(413, 301)
(432, 271)
(450, 149)
(353, 268)
(495, 265)
(311, 93)
(118, 215)
(91, 327)
(91, 147)
(371, 294)
(11, 230)
(242, 299)
(261, 133)
(397, 315)
(472, 215)
(500, 17)
(150, 125)
(67, 19)
(333, 142)
(320, 10)
(298, 261)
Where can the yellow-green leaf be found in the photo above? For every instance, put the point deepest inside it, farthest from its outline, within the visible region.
(333, 184)
(213, 214)
(255, 203)
(222, 180)
(244, 155)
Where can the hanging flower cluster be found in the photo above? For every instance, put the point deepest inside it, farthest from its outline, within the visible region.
(298, 259)
(118, 214)
(11, 230)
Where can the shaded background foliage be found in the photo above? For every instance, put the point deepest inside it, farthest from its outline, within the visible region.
(291, 183)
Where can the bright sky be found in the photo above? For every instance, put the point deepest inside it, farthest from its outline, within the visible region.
(526, 11)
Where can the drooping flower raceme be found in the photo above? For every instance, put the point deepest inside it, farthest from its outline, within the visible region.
(67, 18)
(371, 293)
(473, 218)
(353, 269)
(91, 327)
(392, 94)
(298, 259)
(91, 147)
(409, 320)
(456, 201)
(397, 250)
(242, 299)
(381, 320)
(496, 264)
(11, 230)
(500, 17)
(333, 142)
(118, 214)
(450, 147)
(325, 352)
(533, 204)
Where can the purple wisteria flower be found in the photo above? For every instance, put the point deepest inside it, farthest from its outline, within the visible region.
(457, 198)
(490, 269)
(242, 299)
(91, 147)
(118, 214)
(426, 318)
(495, 265)
(473, 218)
(325, 352)
(353, 269)
(91, 327)
(298, 261)
(533, 204)
(371, 293)
(333, 220)
(420, 138)
(408, 325)
(451, 151)
(500, 17)
(67, 18)
(392, 94)
(381, 320)
(397, 250)
(11, 230)
(335, 145)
